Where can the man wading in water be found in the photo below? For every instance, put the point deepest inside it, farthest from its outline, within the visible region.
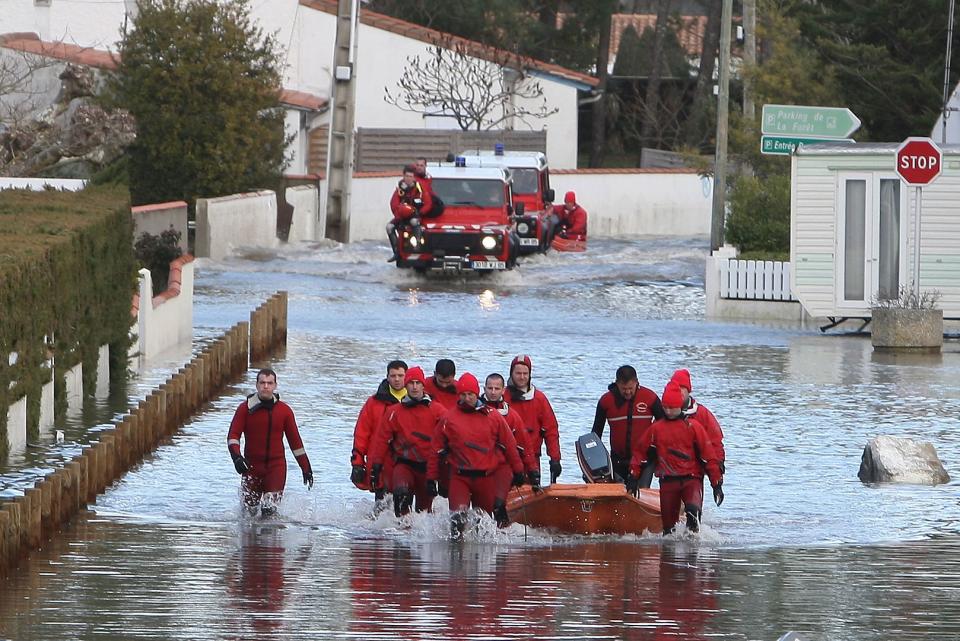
(263, 420)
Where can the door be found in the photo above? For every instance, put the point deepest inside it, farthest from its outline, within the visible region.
(871, 242)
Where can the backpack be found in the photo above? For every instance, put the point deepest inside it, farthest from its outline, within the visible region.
(437, 207)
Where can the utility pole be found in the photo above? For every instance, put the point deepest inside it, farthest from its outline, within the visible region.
(340, 144)
(723, 108)
(749, 55)
(946, 77)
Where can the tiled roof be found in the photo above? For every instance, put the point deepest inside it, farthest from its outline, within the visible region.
(447, 40)
(689, 30)
(303, 100)
(30, 43)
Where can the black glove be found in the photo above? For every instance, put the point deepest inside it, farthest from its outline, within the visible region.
(554, 471)
(432, 488)
(375, 476)
(633, 484)
(241, 464)
(723, 467)
(358, 474)
(418, 202)
(718, 494)
(308, 478)
(534, 477)
(518, 479)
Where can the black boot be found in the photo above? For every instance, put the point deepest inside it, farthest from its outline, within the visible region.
(500, 513)
(458, 522)
(693, 520)
(402, 499)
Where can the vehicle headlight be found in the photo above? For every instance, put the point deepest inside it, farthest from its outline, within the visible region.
(488, 242)
(523, 228)
(413, 241)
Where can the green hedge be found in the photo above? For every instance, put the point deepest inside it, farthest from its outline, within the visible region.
(759, 220)
(67, 275)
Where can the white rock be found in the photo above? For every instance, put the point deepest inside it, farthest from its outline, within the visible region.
(894, 459)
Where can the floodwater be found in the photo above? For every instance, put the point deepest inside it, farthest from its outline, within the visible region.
(799, 544)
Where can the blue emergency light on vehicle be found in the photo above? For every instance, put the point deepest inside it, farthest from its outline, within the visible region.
(498, 149)
(460, 161)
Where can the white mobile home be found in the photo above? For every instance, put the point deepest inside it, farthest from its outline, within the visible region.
(852, 229)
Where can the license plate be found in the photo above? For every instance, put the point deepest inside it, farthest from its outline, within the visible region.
(488, 264)
(529, 241)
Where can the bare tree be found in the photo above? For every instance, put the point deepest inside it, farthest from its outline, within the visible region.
(20, 89)
(477, 93)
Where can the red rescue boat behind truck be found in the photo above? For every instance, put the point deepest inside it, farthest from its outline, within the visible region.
(532, 196)
(474, 232)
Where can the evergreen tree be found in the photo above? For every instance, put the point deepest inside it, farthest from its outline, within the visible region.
(203, 83)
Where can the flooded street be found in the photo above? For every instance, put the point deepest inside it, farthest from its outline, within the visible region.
(799, 544)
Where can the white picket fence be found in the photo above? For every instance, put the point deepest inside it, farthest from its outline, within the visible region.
(755, 280)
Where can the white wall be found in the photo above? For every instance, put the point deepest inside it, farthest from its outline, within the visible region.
(158, 218)
(73, 381)
(17, 426)
(103, 372)
(644, 202)
(164, 322)
(617, 204)
(307, 217)
(88, 24)
(240, 220)
(46, 404)
(67, 184)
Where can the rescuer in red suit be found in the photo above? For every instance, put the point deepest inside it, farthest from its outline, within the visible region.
(629, 408)
(492, 396)
(693, 409)
(407, 432)
(263, 420)
(442, 386)
(474, 437)
(537, 413)
(682, 453)
(390, 392)
(572, 218)
(410, 200)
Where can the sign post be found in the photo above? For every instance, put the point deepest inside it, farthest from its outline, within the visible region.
(919, 162)
(786, 128)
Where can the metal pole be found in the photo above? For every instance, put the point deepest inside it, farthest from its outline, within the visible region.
(723, 106)
(750, 55)
(946, 76)
(917, 194)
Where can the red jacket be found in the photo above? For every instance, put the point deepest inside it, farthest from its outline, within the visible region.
(473, 439)
(407, 430)
(629, 420)
(515, 423)
(575, 222)
(368, 421)
(404, 202)
(539, 419)
(681, 448)
(710, 425)
(446, 396)
(263, 426)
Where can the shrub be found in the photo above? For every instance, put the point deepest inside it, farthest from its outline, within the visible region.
(155, 253)
(759, 218)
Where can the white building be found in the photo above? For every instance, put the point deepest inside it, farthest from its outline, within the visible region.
(306, 29)
(852, 229)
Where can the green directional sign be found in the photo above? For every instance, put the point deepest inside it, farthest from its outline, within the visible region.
(808, 122)
(786, 145)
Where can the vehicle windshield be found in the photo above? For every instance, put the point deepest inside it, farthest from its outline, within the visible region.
(525, 180)
(465, 191)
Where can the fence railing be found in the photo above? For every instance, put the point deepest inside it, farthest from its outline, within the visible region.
(755, 280)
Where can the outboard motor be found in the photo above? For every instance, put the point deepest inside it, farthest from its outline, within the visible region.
(594, 459)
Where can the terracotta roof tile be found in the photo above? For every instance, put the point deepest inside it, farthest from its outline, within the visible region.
(30, 43)
(304, 100)
(447, 40)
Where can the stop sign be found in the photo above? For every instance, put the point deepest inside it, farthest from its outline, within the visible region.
(918, 161)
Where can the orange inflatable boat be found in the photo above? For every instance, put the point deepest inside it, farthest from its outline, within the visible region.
(602, 505)
(587, 508)
(569, 244)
